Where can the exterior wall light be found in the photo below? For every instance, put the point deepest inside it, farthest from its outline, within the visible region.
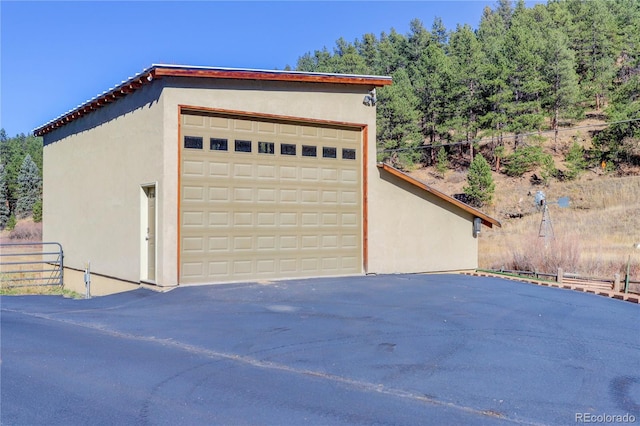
(477, 226)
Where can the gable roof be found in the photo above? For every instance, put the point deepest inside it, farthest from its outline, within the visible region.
(163, 70)
(486, 220)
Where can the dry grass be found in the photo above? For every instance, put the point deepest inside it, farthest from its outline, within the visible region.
(25, 231)
(17, 276)
(594, 237)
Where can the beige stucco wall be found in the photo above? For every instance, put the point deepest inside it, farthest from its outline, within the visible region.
(98, 285)
(94, 168)
(92, 175)
(411, 230)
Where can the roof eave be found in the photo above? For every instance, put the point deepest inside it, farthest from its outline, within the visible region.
(270, 75)
(159, 71)
(486, 220)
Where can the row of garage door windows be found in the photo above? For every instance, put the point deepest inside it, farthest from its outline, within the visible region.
(218, 144)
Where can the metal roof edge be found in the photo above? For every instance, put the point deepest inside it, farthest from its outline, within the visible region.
(266, 71)
(149, 73)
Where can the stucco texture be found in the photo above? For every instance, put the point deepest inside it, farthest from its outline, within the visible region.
(95, 166)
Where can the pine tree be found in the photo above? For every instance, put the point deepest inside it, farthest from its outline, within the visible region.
(494, 73)
(562, 98)
(480, 185)
(12, 153)
(347, 60)
(467, 59)
(525, 46)
(439, 32)
(29, 184)
(397, 121)
(432, 81)
(368, 49)
(595, 43)
(575, 161)
(442, 162)
(4, 202)
(392, 47)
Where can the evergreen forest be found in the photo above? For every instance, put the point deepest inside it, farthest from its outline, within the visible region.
(518, 80)
(505, 89)
(20, 178)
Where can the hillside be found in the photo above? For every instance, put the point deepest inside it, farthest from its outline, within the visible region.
(594, 236)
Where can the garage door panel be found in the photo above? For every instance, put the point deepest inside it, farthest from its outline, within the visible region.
(193, 168)
(243, 219)
(218, 243)
(288, 195)
(266, 195)
(266, 127)
(309, 196)
(266, 219)
(266, 171)
(193, 219)
(192, 268)
(264, 214)
(218, 269)
(243, 195)
(193, 193)
(309, 219)
(349, 197)
(193, 245)
(288, 219)
(309, 173)
(218, 194)
(288, 172)
(266, 266)
(219, 219)
(243, 171)
(218, 169)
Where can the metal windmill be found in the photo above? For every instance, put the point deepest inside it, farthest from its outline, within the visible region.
(546, 226)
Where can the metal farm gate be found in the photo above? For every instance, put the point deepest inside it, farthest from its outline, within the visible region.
(31, 265)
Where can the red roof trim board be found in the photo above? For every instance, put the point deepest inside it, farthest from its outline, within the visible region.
(486, 220)
(159, 71)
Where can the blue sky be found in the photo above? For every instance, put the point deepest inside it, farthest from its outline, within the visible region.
(56, 55)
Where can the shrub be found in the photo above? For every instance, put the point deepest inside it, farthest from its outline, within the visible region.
(548, 168)
(538, 254)
(480, 186)
(11, 223)
(37, 211)
(442, 162)
(523, 160)
(576, 163)
(27, 231)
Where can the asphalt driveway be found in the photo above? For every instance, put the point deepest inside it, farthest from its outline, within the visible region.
(405, 349)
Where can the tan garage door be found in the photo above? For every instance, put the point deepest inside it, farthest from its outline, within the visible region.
(267, 199)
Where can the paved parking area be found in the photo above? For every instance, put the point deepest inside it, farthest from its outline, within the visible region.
(402, 349)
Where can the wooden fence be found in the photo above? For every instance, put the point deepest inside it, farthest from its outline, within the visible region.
(616, 286)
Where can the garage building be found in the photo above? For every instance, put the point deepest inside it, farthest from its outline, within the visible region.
(190, 175)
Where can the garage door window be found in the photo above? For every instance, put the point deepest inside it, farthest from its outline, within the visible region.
(329, 152)
(216, 144)
(348, 154)
(243, 146)
(309, 151)
(193, 142)
(287, 149)
(266, 147)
